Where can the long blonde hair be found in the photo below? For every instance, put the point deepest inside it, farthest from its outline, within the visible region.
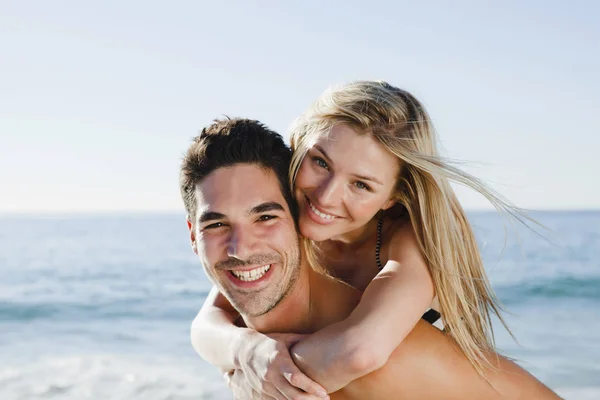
(401, 124)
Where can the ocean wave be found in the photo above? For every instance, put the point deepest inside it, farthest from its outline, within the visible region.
(149, 309)
(557, 288)
(10, 311)
(109, 377)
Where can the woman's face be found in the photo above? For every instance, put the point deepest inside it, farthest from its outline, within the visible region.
(343, 181)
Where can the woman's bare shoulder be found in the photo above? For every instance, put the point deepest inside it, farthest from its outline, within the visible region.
(402, 238)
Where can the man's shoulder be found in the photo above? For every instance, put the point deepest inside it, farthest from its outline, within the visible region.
(335, 297)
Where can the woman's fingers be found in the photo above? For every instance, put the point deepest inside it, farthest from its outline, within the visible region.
(270, 371)
(236, 380)
(299, 380)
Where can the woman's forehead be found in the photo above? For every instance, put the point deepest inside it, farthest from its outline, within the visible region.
(359, 153)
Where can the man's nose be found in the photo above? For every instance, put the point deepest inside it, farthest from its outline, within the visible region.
(241, 243)
(330, 192)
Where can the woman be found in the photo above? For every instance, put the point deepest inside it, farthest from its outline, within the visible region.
(377, 211)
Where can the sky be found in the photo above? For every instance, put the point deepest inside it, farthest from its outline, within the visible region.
(99, 99)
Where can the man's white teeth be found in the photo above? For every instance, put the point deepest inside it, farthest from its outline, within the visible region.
(253, 274)
(320, 214)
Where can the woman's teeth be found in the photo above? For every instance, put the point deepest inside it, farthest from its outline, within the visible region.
(252, 275)
(319, 213)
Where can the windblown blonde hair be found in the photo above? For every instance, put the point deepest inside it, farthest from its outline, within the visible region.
(400, 123)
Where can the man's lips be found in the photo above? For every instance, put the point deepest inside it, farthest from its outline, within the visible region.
(248, 268)
(250, 276)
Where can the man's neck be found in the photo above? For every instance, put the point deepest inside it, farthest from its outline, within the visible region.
(292, 313)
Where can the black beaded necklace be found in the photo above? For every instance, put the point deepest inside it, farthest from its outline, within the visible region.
(378, 245)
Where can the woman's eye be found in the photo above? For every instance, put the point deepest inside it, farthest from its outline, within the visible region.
(362, 186)
(321, 163)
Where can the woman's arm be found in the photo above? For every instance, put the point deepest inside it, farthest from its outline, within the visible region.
(213, 333)
(390, 307)
(264, 360)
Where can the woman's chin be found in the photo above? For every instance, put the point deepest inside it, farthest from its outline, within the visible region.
(313, 231)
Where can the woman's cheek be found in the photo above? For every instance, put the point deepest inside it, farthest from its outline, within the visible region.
(365, 210)
(301, 181)
(307, 176)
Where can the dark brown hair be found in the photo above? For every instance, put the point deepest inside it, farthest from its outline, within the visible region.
(234, 141)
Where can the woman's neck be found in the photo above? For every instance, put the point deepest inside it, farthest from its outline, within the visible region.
(357, 237)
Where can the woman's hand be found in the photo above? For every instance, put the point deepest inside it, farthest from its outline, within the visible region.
(238, 385)
(266, 370)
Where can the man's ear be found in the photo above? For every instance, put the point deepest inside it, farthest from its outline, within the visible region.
(192, 234)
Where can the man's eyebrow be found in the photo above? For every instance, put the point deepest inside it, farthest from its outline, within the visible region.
(265, 207)
(210, 216)
(361, 177)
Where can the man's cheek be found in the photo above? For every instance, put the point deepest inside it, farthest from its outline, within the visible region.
(205, 256)
(209, 275)
(208, 266)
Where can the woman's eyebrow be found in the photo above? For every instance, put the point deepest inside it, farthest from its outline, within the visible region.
(367, 178)
(359, 176)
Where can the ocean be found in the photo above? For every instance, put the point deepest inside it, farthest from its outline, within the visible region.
(99, 306)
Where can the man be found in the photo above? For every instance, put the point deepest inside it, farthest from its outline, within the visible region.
(242, 226)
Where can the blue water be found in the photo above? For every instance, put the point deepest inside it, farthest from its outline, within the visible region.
(99, 307)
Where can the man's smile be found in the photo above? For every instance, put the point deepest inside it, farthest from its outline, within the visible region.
(250, 275)
(251, 278)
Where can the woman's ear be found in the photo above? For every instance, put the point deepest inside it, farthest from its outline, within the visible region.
(389, 204)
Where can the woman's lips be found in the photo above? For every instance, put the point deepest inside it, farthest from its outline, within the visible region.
(317, 215)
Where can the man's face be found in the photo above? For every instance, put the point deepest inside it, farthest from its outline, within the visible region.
(245, 237)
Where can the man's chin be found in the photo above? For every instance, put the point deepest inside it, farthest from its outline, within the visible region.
(253, 305)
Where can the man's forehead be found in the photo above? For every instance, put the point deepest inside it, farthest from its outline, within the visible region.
(238, 188)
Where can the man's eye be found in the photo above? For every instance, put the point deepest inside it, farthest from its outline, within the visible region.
(266, 217)
(214, 226)
(320, 162)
